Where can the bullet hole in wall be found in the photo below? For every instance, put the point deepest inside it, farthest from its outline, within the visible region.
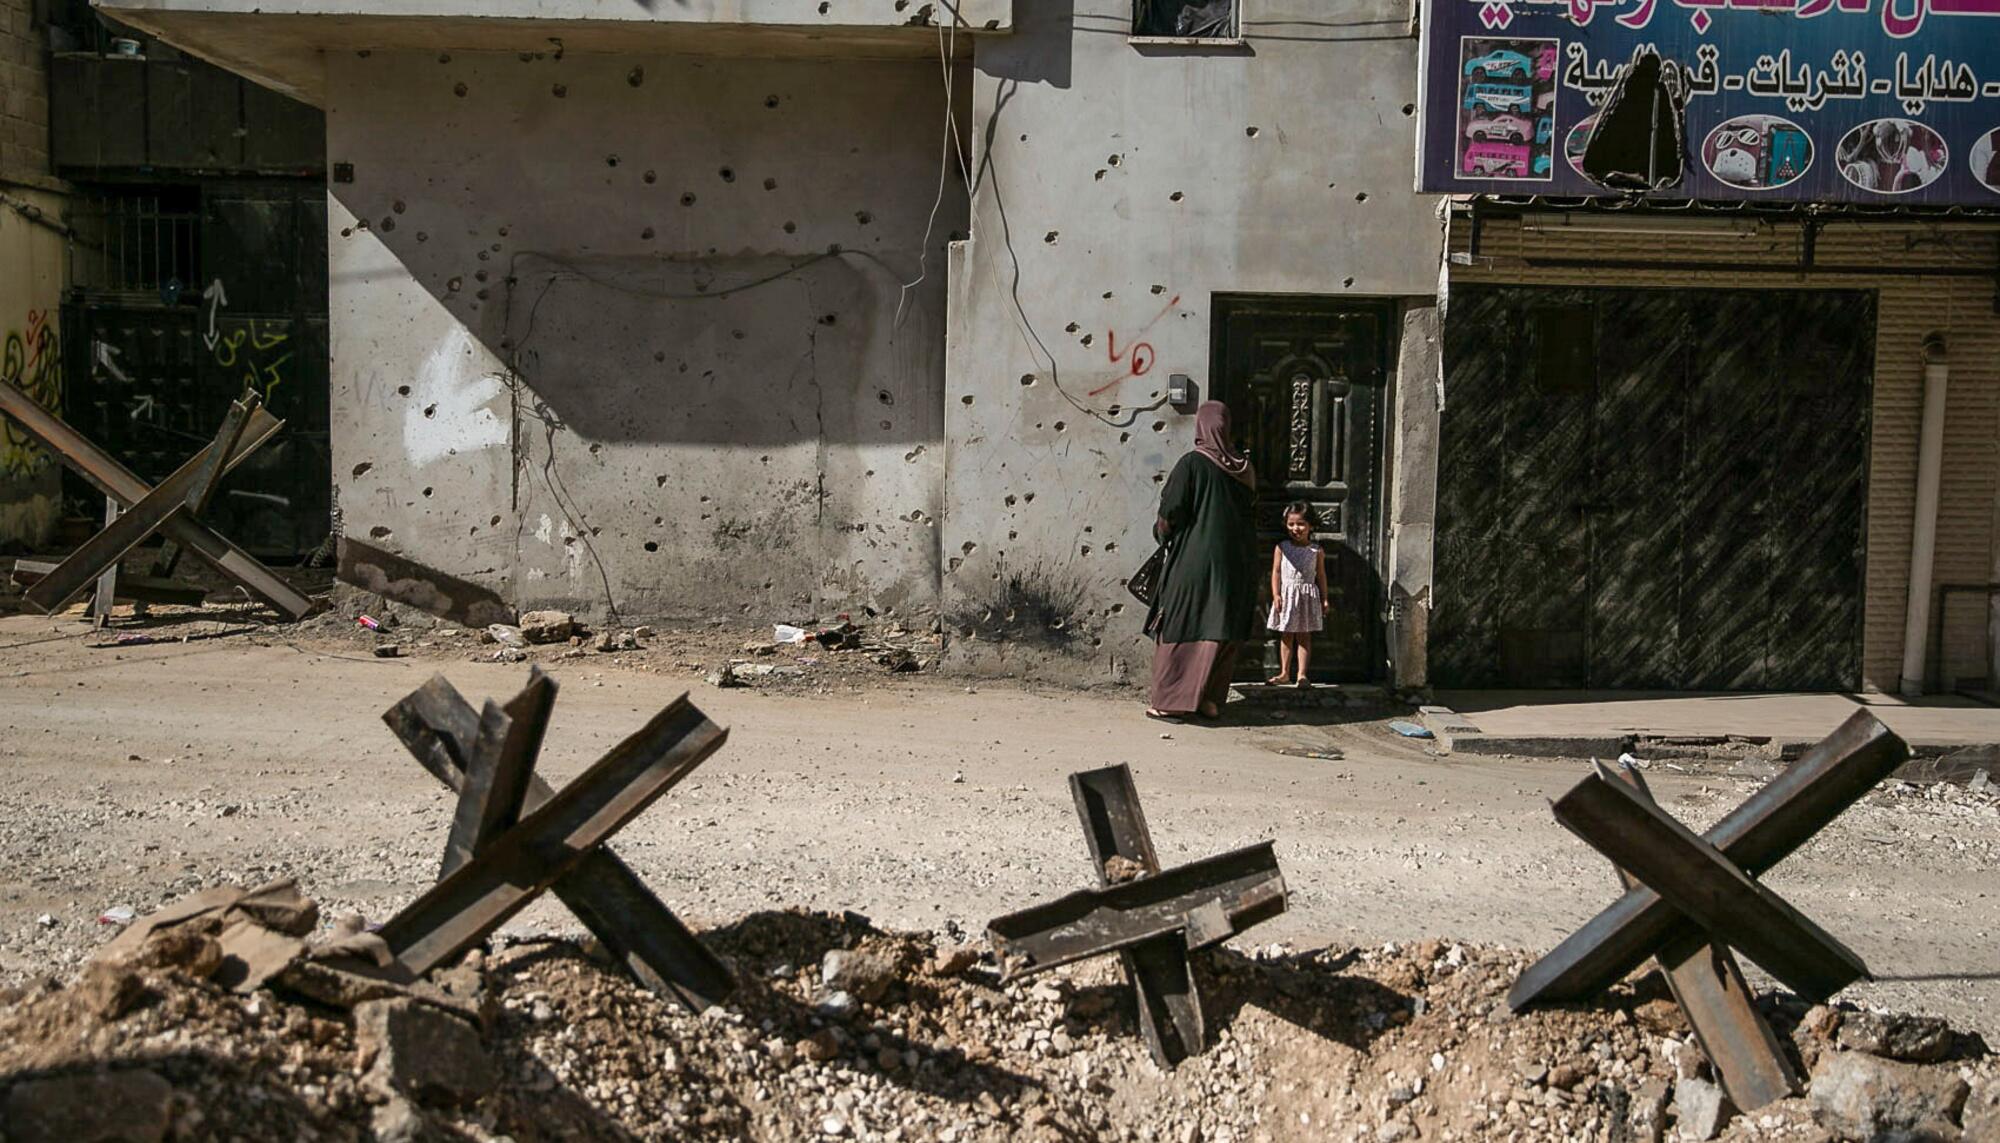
(459, 89)
(1159, 478)
(502, 232)
(397, 206)
(1060, 426)
(828, 319)
(1123, 437)
(1087, 338)
(1071, 328)
(863, 217)
(636, 76)
(430, 411)
(886, 426)
(647, 234)
(402, 390)
(1027, 379)
(560, 91)
(770, 184)
(823, 7)
(427, 493)
(1010, 500)
(1409, 109)
(1253, 132)
(1176, 197)
(388, 223)
(1348, 282)
(1362, 197)
(1099, 176)
(652, 545)
(1107, 295)
(610, 160)
(965, 400)
(687, 198)
(660, 356)
(651, 177)
(1028, 497)
(771, 101)
(380, 532)
(444, 57)
(479, 275)
(1158, 288)
(791, 227)
(1159, 426)
(494, 522)
(347, 232)
(423, 236)
(1114, 160)
(737, 334)
(727, 174)
(884, 396)
(361, 470)
(1051, 237)
(483, 294)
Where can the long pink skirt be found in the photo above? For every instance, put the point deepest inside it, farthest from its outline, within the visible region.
(1186, 675)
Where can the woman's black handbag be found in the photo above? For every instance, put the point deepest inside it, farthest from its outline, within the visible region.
(1145, 583)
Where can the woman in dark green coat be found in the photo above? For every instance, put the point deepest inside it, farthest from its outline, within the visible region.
(1208, 585)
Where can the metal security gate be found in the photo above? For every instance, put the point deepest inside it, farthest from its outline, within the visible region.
(1657, 489)
(1304, 380)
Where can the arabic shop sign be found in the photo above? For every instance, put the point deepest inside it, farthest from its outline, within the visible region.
(1873, 101)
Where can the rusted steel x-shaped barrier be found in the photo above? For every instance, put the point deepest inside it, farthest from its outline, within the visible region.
(173, 508)
(1690, 899)
(1151, 919)
(513, 837)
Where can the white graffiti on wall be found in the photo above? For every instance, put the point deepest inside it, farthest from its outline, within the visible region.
(449, 409)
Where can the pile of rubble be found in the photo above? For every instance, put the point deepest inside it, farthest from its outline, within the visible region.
(239, 1014)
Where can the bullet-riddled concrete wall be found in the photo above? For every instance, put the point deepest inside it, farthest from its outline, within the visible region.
(33, 252)
(655, 331)
(1121, 186)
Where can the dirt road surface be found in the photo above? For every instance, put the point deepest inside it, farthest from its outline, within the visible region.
(136, 774)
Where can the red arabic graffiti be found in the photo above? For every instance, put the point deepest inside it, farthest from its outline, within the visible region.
(1139, 356)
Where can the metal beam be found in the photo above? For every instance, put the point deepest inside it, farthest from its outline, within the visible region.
(1711, 991)
(142, 589)
(1698, 880)
(220, 458)
(145, 516)
(116, 481)
(438, 727)
(1207, 901)
(1114, 825)
(499, 770)
(1784, 815)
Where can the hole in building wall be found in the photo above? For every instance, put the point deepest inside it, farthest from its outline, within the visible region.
(687, 198)
(427, 493)
(380, 532)
(636, 76)
(651, 177)
(362, 468)
(459, 89)
(727, 174)
(560, 91)
(402, 390)
(652, 545)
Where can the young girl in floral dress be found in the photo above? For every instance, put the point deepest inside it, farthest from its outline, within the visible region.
(1298, 594)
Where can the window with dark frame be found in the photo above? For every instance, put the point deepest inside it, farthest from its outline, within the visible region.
(1184, 19)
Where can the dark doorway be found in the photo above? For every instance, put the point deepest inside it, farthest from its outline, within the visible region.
(1304, 380)
(1653, 489)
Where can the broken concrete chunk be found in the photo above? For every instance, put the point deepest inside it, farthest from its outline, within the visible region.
(505, 635)
(253, 954)
(1919, 1039)
(421, 1051)
(546, 626)
(134, 1106)
(864, 972)
(1701, 1107)
(109, 988)
(1862, 1097)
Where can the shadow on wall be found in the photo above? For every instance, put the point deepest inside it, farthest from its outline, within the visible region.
(1039, 49)
(669, 251)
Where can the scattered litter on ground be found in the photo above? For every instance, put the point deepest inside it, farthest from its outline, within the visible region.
(1409, 729)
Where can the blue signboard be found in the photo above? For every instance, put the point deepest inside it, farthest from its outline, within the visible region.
(1885, 102)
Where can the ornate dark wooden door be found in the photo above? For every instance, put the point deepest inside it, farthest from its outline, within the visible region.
(1303, 379)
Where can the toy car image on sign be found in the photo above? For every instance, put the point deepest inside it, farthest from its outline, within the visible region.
(1506, 107)
(1892, 102)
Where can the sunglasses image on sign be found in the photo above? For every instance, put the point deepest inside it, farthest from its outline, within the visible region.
(1891, 156)
(1757, 152)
